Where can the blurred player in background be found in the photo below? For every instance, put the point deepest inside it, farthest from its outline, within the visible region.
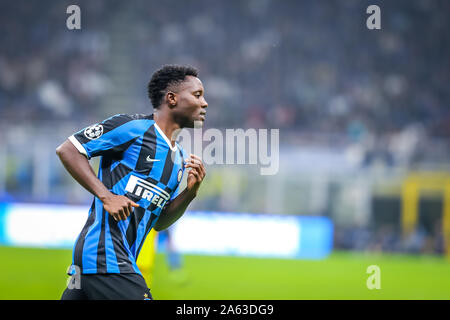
(174, 259)
(137, 187)
(146, 258)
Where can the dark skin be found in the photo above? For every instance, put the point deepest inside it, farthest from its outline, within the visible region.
(183, 105)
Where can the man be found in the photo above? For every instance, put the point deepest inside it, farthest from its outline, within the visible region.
(137, 187)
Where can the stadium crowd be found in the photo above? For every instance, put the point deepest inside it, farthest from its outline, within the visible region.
(388, 238)
(46, 72)
(305, 66)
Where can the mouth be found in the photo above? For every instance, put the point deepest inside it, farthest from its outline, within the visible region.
(203, 116)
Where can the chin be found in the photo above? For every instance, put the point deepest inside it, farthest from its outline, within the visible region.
(192, 122)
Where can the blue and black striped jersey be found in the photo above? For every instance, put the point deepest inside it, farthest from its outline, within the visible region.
(139, 162)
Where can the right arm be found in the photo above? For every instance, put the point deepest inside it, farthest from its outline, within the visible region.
(79, 168)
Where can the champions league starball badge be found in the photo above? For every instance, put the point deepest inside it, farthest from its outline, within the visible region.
(180, 174)
(93, 132)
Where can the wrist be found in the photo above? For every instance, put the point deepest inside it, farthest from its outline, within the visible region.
(192, 193)
(104, 196)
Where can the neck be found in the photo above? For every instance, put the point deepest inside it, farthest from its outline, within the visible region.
(166, 124)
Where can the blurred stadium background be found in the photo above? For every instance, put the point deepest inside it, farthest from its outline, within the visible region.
(364, 119)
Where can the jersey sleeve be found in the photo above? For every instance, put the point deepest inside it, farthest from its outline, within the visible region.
(114, 134)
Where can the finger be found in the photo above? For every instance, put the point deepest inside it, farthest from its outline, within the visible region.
(199, 168)
(193, 161)
(192, 165)
(126, 210)
(130, 208)
(196, 157)
(202, 170)
(192, 171)
(134, 204)
(126, 213)
(197, 171)
(196, 161)
(195, 174)
(112, 215)
(121, 215)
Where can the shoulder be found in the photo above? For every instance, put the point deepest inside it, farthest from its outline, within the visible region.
(128, 121)
(141, 116)
(124, 117)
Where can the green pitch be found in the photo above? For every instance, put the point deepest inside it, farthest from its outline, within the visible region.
(40, 274)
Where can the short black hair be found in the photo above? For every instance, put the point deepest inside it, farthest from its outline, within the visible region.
(166, 76)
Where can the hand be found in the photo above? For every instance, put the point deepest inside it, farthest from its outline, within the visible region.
(196, 174)
(120, 207)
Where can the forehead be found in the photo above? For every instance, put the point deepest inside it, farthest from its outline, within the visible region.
(191, 84)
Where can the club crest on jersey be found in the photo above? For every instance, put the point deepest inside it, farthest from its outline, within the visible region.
(93, 132)
(180, 175)
(147, 190)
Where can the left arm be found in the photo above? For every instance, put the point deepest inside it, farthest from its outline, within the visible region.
(176, 208)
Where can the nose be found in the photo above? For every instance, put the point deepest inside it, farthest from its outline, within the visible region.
(205, 104)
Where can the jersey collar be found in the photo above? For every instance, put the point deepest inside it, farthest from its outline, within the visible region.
(167, 140)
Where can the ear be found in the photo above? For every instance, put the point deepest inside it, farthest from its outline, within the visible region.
(171, 99)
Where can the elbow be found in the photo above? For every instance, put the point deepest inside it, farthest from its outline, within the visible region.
(63, 151)
(60, 150)
(65, 148)
(158, 228)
